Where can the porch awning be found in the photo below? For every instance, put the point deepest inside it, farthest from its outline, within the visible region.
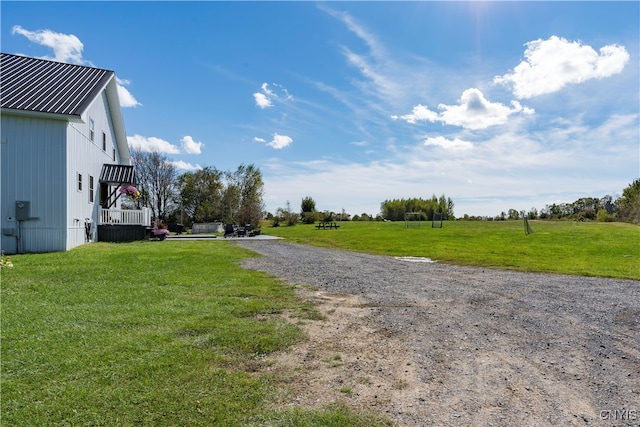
(117, 174)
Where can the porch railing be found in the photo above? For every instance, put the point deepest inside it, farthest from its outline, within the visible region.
(126, 216)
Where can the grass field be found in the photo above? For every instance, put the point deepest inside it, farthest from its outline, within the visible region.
(149, 334)
(577, 248)
(177, 333)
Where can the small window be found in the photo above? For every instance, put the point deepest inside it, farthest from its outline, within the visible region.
(92, 130)
(79, 182)
(114, 155)
(104, 141)
(91, 195)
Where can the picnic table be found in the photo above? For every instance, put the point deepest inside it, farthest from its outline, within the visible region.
(327, 225)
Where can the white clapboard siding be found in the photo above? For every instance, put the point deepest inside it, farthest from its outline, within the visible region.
(46, 144)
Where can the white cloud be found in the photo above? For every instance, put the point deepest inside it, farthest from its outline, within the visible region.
(265, 98)
(261, 140)
(473, 112)
(126, 98)
(419, 113)
(376, 66)
(266, 90)
(66, 47)
(476, 112)
(383, 85)
(551, 64)
(262, 100)
(360, 31)
(448, 144)
(151, 144)
(279, 141)
(567, 159)
(182, 165)
(287, 96)
(190, 146)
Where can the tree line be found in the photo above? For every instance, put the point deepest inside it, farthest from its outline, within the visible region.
(625, 208)
(236, 197)
(205, 195)
(396, 209)
(390, 210)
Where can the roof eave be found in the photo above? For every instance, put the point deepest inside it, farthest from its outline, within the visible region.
(40, 114)
(117, 121)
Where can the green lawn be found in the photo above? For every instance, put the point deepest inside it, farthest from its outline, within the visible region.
(148, 334)
(577, 248)
(177, 333)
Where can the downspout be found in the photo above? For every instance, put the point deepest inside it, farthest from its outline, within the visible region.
(18, 234)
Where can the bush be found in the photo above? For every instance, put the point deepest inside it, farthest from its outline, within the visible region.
(604, 216)
(309, 217)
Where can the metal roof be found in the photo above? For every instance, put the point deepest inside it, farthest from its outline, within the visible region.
(117, 174)
(39, 85)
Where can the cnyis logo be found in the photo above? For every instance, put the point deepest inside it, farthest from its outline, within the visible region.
(619, 414)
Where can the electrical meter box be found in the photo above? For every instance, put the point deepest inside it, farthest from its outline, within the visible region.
(23, 210)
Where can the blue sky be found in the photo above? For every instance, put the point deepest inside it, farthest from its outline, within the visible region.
(497, 105)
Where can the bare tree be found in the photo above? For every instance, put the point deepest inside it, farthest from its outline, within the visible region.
(156, 177)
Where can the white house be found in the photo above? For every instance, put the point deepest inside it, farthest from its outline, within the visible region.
(63, 157)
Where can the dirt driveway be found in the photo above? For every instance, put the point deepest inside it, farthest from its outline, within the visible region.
(432, 344)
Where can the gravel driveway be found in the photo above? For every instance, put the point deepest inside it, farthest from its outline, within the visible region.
(489, 347)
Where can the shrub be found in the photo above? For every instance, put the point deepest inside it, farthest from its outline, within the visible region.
(604, 216)
(309, 217)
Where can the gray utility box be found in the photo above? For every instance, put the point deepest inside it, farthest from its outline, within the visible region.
(23, 210)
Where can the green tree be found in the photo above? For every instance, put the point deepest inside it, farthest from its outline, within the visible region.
(248, 192)
(287, 215)
(450, 206)
(629, 203)
(308, 205)
(308, 210)
(608, 204)
(395, 210)
(201, 194)
(230, 202)
(514, 214)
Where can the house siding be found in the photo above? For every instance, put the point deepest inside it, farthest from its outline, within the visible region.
(87, 157)
(33, 166)
(47, 108)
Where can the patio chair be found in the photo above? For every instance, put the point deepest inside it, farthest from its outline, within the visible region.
(230, 230)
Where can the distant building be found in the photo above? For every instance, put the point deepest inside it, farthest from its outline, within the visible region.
(63, 154)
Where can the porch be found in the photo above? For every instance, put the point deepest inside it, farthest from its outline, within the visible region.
(117, 224)
(125, 217)
(123, 225)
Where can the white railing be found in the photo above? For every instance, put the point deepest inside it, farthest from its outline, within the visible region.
(126, 216)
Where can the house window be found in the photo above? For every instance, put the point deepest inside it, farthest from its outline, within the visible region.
(92, 129)
(90, 189)
(104, 141)
(79, 182)
(114, 154)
